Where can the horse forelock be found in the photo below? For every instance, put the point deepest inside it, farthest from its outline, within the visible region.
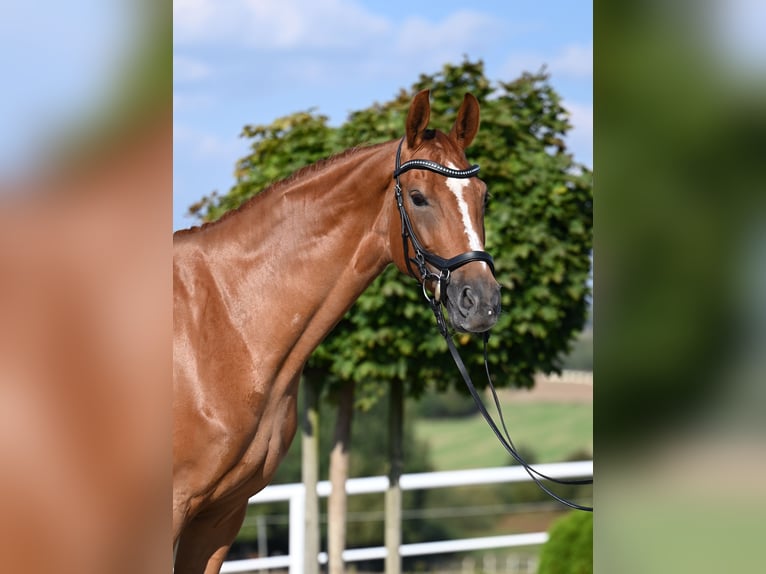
(438, 146)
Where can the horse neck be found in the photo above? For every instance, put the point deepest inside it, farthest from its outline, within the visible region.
(298, 256)
(325, 219)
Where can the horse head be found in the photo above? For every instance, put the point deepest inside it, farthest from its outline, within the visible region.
(440, 203)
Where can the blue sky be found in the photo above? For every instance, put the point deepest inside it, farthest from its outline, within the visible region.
(241, 62)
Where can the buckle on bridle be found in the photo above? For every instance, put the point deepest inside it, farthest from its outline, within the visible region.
(441, 282)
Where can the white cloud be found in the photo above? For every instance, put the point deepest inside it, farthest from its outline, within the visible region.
(571, 61)
(203, 145)
(188, 69)
(186, 100)
(313, 23)
(321, 43)
(522, 62)
(438, 42)
(581, 116)
(203, 20)
(305, 25)
(580, 138)
(574, 60)
(275, 24)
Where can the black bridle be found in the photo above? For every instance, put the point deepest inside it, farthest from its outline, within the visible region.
(441, 281)
(422, 256)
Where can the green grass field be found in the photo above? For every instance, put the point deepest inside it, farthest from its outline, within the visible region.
(551, 432)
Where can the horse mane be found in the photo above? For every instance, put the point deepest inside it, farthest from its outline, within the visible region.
(275, 187)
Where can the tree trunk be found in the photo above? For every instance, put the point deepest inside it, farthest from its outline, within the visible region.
(394, 493)
(310, 471)
(339, 458)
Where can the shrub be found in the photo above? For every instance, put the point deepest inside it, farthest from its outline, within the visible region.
(569, 549)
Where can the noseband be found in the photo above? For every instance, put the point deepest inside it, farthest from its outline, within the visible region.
(422, 256)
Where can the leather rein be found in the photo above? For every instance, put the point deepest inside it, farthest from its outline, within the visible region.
(441, 280)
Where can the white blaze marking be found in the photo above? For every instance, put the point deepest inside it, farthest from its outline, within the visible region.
(456, 186)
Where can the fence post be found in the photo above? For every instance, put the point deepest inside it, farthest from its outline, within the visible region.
(393, 500)
(310, 471)
(297, 529)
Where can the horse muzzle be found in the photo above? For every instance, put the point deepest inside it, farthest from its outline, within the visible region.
(473, 303)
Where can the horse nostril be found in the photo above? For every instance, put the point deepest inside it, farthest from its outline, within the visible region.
(496, 302)
(467, 302)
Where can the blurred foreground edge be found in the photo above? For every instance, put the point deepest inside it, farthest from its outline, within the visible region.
(85, 361)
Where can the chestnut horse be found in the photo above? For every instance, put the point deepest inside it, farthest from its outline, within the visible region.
(258, 290)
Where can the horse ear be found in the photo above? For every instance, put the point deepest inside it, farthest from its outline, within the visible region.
(417, 118)
(467, 122)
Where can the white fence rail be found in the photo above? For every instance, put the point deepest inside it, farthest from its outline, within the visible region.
(296, 495)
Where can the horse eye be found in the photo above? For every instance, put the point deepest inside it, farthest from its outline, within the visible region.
(418, 198)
